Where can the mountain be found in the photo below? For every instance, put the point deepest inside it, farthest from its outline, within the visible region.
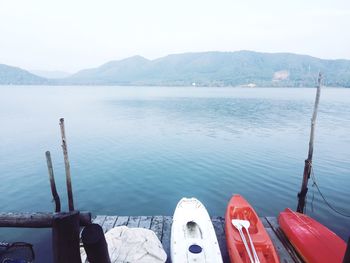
(55, 74)
(16, 76)
(240, 68)
(218, 69)
(123, 72)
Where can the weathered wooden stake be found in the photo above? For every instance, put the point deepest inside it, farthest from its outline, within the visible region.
(67, 167)
(308, 161)
(52, 183)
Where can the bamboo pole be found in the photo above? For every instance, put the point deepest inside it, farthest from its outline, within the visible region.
(308, 161)
(52, 183)
(67, 166)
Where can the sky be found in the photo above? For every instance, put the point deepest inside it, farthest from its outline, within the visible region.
(69, 35)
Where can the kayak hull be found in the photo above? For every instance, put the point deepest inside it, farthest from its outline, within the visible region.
(313, 241)
(193, 238)
(239, 208)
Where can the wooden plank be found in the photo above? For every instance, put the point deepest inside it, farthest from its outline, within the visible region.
(281, 250)
(133, 221)
(109, 223)
(99, 220)
(264, 222)
(157, 226)
(121, 221)
(218, 223)
(166, 236)
(293, 255)
(145, 222)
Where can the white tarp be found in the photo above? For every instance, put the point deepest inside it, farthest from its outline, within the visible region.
(133, 245)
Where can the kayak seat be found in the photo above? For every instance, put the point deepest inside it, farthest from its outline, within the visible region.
(246, 213)
(193, 230)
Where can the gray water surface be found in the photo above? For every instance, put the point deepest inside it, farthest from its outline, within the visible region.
(138, 150)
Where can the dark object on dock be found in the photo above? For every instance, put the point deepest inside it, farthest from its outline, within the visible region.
(95, 244)
(52, 183)
(308, 161)
(65, 238)
(347, 253)
(36, 220)
(16, 252)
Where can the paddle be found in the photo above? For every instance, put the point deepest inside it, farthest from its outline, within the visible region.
(246, 225)
(236, 223)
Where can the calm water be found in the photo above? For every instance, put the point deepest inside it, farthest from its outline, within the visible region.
(137, 151)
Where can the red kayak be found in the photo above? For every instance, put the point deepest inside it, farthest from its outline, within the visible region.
(313, 241)
(239, 209)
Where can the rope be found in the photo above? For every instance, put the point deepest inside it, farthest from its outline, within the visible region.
(323, 197)
(313, 198)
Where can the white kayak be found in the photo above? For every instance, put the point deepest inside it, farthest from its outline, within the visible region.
(193, 237)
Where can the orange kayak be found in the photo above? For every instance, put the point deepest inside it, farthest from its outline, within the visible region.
(239, 208)
(313, 241)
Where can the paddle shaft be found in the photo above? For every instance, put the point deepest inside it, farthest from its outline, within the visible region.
(256, 258)
(245, 242)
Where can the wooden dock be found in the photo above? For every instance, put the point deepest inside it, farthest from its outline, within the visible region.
(161, 225)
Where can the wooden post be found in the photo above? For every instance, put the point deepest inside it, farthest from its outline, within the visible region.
(67, 167)
(52, 183)
(65, 238)
(36, 220)
(346, 258)
(308, 161)
(95, 244)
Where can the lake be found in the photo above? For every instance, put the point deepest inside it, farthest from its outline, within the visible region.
(138, 150)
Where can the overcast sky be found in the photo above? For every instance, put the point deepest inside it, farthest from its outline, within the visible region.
(75, 34)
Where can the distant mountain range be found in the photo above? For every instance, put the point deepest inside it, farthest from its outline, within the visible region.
(16, 76)
(54, 74)
(241, 68)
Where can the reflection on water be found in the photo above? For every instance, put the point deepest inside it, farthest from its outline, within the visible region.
(137, 151)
